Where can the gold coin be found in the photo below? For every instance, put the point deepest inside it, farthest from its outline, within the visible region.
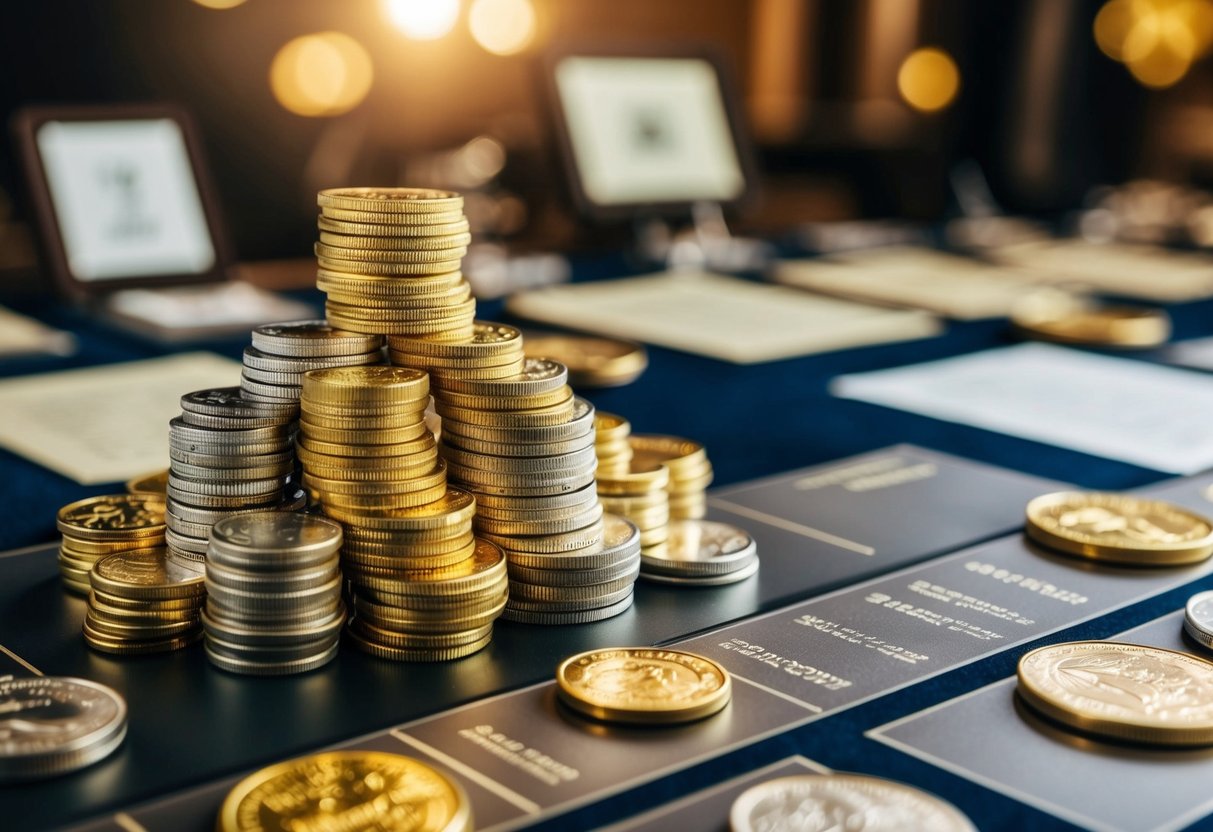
(436, 477)
(452, 508)
(436, 315)
(611, 428)
(384, 269)
(404, 654)
(377, 384)
(681, 456)
(375, 255)
(643, 685)
(146, 577)
(1119, 528)
(1124, 691)
(377, 223)
(423, 242)
(113, 517)
(593, 361)
(372, 286)
(539, 375)
(506, 401)
(440, 299)
(373, 501)
(488, 338)
(390, 200)
(379, 790)
(343, 435)
(638, 481)
(155, 484)
(424, 442)
(1052, 315)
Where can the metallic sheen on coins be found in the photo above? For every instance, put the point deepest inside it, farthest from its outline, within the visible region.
(54, 725)
(1124, 691)
(643, 685)
(347, 790)
(1198, 619)
(1119, 528)
(826, 802)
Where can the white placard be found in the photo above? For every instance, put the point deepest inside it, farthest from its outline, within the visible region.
(1149, 415)
(104, 424)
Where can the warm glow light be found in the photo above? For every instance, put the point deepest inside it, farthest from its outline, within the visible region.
(1158, 40)
(503, 27)
(324, 74)
(219, 4)
(928, 79)
(423, 19)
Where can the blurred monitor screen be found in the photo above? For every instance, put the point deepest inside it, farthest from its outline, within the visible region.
(646, 131)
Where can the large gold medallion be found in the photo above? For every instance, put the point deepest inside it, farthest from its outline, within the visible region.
(1124, 691)
(1119, 528)
(643, 685)
(367, 790)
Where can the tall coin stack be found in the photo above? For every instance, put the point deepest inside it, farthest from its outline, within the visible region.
(227, 454)
(389, 262)
(611, 444)
(690, 471)
(281, 353)
(99, 526)
(143, 604)
(273, 593)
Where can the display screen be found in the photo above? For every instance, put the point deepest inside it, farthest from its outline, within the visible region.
(125, 198)
(648, 130)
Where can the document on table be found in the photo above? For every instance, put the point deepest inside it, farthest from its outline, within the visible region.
(721, 317)
(1146, 414)
(20, 335)
(958, 287)
(103, 424)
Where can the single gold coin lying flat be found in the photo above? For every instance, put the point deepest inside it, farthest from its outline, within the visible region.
(347, 790)
(390, 200)
(825, 802)
(1123, 691)
(593, 361)
(645, 685)
(1051, 315)
(1119, 528)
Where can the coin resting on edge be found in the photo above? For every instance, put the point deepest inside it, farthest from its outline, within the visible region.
(347, 790)
(1123, 691)
(643, 685)
(825, 802)
(1198, 618)
(51, 725)
(1119, 528)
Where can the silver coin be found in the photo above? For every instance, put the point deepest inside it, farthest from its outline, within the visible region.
(230, 616)
(293, 580)
(270, 393)
(227, 502)
(183, 433)
(701, 548)
(707, 580)
(564, 618)
(216, 487)
(202, 420)
(510, 502)
(241, 600)
(229, 401)
(1198, 618)
(570, 604)
(51, 725)
(186, 528)
(289, 378)
(232, 460)
(275, 653)
(237, 452)
(543, 593)
(620, 542)
(209, 516)
(254, 668)
(185, 543)
(254, 472)
(577, 425)
(276, 539)
(271, 634)
(553, 525)
(533, 449)
(255, 359)
(826, 802)
(520, 486)
(573, 576)
(302, 339)
(183, 557)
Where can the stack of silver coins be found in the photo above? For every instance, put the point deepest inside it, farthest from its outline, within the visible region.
(65, 724)
(576, 587)
(281, 353)
(273, 593)
(227, 454)
(701, 553)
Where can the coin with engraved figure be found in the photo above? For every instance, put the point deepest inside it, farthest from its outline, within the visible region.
(144, 576)
(1124, 691)
(347, 790)
(1119, 528)
(113, 516)
(643, 685)
(51, 725)
(827, 802)
(703, 548)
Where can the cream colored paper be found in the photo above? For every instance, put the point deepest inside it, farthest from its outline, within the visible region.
(109, 423)
(20, 335)
(721, 317)
(922, 278)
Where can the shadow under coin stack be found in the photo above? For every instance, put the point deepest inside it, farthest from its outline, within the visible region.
(690, 471)
(99, 526)
(227, 454)
(281, 353)
(273, 593)
(389, 262)
(611, 444)
(143, 604)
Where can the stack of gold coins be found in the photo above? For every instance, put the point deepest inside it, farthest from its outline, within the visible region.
(273, 593)
(494, 351)
(100, 526)
(227, 454)
(611, 444)
(363, 440)
(640, 495)
(690, 471)
(143, 603)
(281, 353)
(389, 262)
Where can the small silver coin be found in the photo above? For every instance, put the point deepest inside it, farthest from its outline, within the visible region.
(702, 548)
(564, 618)
(707, 580)
(1198, 618)
(305, 339)
(51, 725)
(229, 402)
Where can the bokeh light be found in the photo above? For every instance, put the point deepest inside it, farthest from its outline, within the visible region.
(928, 79)
(503, 27)
(1158, 40)
(219, 4)
(324, 74)
(423, 19)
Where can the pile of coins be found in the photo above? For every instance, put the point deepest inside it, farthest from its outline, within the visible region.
(640, 495)
(702, 553)
(643, 685)
(99, 526)
(690, 471)
(281, 353)
(273, 593)
(143, 603)
(611, 444)
(593, 360)
(363, 440)
(389, 262)
(227, 454)
(68, 724)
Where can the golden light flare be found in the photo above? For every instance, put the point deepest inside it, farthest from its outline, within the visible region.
(1158, 40)
(503, 27)
(928, 79)
(219, 4)
(423, 19)
(323, 74)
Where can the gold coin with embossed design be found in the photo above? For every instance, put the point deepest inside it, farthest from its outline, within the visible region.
(1119, 528)
(1124, 691)
(645, 685)
(347, 790)
(113, 517)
